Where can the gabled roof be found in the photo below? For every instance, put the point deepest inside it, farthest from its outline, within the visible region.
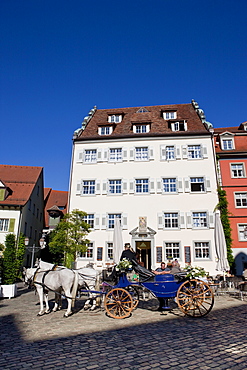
(154, 116)
(55, 198)
(21, 181)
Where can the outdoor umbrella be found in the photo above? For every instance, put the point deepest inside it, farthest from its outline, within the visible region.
(117, 240)
(220, 245)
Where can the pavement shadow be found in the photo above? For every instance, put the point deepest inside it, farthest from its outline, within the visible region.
(215, 341)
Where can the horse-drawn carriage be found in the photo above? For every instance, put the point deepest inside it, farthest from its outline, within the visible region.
(192, 296)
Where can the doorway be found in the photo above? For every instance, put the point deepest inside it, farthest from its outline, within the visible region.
(143, 249)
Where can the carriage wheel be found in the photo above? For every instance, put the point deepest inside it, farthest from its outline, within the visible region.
(134, 294)
(195, 298)
(118, 303)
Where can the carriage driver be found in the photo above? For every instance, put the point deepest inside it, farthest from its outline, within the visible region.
(128, 253)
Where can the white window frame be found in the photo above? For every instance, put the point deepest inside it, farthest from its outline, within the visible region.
(170, 185)
(141, 128)
(115, 154)
(174, 247)
(141, 153)
(111, 220)
(88, 185)
(89, 254)
(171, 219)
(165, 152)
(200, 181)
(242, 169)
(109, 251)
(4, 225)
(177, 126)
(242, 198)
(227, 143)
(242, 234)
(203, 247)
(169, 115)
(105, 130)
(90, 157)
(115, 118)
(202, 217)
(194, 152)
(115, 184)
(90, 220)
(142, 183)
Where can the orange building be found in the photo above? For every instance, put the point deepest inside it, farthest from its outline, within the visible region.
(231, 151)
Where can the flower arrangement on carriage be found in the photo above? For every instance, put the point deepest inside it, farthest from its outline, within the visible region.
(124, 265)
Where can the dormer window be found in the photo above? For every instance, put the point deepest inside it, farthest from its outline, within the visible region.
(179, 126)
(142, 110)
(170, 115)
(227, 144)
(115, 118)
(105, 130)
(141, 128)
(4, 191)
(227, 141)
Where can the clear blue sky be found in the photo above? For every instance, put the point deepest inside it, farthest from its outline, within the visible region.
(59, 58)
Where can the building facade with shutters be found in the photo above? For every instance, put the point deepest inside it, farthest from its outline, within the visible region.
(154, 168)
(231, 150)
(21, 202)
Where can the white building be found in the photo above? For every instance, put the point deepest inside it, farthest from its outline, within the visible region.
(154, 168)
(21, 203)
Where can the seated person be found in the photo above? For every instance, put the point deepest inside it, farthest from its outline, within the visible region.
(162, 269)
(169, 264)
(175, 267)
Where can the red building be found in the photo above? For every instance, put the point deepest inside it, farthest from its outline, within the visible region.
(231, 152)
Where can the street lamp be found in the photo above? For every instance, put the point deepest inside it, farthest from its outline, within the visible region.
(33, 249)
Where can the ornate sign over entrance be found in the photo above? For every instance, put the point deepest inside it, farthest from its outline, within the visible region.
(142, 224)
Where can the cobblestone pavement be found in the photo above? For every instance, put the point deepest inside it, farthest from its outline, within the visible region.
(146, 340)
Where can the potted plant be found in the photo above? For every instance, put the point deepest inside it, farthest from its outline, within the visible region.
(12, 258)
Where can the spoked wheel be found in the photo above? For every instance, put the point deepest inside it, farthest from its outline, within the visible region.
(134, 295)
(195, 298)
(118, 303)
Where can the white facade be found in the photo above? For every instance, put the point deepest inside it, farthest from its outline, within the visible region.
(177, 174)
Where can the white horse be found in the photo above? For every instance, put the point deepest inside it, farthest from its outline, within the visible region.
(60, 279)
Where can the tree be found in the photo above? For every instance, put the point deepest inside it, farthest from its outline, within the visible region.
(224, 215)
(9, 260)
(69, 237)
(20, 253)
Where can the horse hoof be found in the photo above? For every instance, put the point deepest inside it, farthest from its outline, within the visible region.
(40, 314)
(67, 314)
(85, 308)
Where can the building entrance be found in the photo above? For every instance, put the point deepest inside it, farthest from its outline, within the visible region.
(143, 249)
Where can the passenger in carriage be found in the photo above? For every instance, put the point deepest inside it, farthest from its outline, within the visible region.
(175, 267)
(162, 269)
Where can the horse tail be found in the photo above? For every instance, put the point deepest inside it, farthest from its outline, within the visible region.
(75, 287)
(97, 287)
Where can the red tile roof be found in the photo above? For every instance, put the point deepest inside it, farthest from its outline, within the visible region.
(55, 198)
(21, 180)
(154, 116)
